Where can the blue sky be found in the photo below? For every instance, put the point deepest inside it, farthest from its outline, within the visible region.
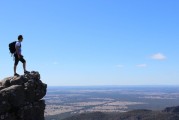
(93, 42)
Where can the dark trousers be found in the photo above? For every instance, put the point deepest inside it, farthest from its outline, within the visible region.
(18, 59)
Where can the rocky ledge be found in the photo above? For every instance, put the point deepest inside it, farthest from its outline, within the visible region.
(21, 97)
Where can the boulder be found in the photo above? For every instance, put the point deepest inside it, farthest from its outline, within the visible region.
(21, 97)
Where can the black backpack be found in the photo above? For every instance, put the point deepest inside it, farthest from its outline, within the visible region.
(12, 48)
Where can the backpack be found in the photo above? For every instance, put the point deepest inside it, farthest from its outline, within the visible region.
(12, 48)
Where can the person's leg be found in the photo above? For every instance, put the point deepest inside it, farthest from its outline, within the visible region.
(15, 64)
(24, 64)
(15, 69)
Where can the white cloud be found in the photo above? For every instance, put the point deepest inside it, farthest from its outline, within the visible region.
(141, 65)
(158, 56)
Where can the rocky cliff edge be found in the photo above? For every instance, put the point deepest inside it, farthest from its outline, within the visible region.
(21, 97)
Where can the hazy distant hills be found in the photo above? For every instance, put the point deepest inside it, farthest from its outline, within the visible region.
(170, 113)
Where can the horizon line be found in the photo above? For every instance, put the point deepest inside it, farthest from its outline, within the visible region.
(106, 85)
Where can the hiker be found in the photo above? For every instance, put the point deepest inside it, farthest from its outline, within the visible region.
(18, 56)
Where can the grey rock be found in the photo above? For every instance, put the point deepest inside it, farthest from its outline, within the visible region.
(17, 80)
(20, 97)
(14, 95)
(5, 82)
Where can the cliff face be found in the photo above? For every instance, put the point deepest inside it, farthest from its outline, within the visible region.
(20, 97)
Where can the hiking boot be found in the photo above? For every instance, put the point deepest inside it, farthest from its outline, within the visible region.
(16, 74)
(26, 72)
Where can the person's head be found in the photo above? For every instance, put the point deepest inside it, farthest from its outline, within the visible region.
(20, 38)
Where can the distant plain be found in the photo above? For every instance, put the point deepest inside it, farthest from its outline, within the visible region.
(63, 101)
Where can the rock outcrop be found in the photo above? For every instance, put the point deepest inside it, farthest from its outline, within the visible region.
(21, 97)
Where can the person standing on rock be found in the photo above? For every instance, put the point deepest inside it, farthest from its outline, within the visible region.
(18, 56)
